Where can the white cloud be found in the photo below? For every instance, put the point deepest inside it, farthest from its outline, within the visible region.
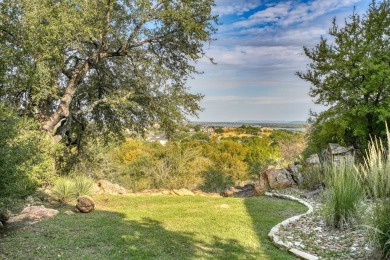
(227, 7)
(263, 100)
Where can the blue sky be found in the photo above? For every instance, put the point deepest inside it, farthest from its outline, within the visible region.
(259, 48)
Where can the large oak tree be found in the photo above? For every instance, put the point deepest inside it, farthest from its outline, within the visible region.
(350, 75)
(116, 63)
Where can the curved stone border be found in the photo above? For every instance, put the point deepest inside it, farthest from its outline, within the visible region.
(276, 240)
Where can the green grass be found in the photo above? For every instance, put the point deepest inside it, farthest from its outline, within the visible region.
(156, 227)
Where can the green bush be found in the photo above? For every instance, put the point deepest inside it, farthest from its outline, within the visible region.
(215, 181)
(26, 155)
(312, 177)
(342, 196)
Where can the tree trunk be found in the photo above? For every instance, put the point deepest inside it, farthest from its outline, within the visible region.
(63, 110)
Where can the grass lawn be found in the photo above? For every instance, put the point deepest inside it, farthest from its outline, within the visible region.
(156, 227)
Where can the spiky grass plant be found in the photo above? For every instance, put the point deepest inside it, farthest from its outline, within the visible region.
(83, 186)
(376, 177)
(63, 190)
(343, 195)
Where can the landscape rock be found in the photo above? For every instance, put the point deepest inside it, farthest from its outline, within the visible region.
(34, 213)
(85, 204)
(69, 213)
(278, 179)
(273, 179)
(313, 159)
(106, 187)
(183, 192)
(5, 215)
(336, 153)
(295, 173)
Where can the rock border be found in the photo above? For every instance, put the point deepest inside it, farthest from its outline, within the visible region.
(275, 238)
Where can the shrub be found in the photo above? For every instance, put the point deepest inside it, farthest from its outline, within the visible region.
(25, 155)
(343, 194)
(215, 181)
(312, 176)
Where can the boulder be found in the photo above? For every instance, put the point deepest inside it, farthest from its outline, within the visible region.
(85, 204)
(278, 179)
(5, 215)
(106, 187)
(183, 192)
(295, 173)
(273, 179)
(69, 213)
(313, 159)
(261, 186)
(34, 213)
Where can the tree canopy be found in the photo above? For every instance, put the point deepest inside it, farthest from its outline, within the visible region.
(350, 75)
(116, 63)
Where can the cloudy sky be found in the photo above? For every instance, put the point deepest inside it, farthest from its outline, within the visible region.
(258, 50)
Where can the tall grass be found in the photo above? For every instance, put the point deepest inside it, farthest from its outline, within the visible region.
(376, 178)
(343, 195)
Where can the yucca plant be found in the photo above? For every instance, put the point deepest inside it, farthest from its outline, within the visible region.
(63, 190)
(83, 186)
(376, 177)
(343, 194)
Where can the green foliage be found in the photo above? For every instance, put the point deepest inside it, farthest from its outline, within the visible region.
(350, 75)
(312, 177)
(83, 186)
(64, 190)
(261, 152)
(290, 145)
(343, 195)
(215, 181)
(117, 64)
(25, 155)
(375, 173)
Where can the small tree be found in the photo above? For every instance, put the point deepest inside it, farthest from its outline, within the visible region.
(351, 76)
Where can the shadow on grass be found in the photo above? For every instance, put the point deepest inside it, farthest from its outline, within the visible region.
(265, 213)
(108, 235)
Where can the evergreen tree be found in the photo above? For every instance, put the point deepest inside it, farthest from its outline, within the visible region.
(350, 75)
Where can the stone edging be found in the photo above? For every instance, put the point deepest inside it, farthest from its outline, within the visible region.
(275, 238)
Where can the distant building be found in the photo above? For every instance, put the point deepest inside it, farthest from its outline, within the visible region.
(161, 138)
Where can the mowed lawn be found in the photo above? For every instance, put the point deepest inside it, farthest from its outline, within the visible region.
(156, 227)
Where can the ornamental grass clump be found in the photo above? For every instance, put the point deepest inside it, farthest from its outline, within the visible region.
(376, 177)
(83, 186)
(67, 189)
(343, 195)
(64, 190)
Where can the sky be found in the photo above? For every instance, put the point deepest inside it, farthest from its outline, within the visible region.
(258, 50)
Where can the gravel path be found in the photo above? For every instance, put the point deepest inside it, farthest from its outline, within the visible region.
(310, 234)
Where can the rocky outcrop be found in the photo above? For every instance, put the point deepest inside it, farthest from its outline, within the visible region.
(106, 187)
(34, 213)
(275, 179)
(85, 204)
